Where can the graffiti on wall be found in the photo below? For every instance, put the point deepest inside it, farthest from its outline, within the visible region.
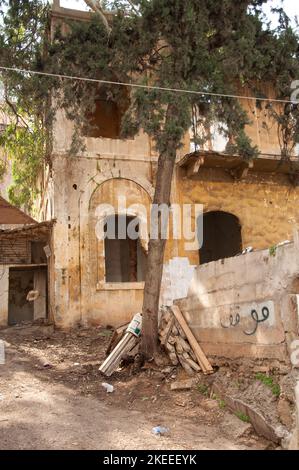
(255, 316)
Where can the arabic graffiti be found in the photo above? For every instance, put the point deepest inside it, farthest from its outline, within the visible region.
(232, 321)
(257, 319)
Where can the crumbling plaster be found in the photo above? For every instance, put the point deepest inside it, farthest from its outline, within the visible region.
(266, 206)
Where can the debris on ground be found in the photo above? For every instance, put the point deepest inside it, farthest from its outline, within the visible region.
(160, 430)
(109, 388)
(180, 343)
(183, 384)
(128, 342)
(148, 389)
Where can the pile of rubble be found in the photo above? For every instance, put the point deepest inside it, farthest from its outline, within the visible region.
(174, 334)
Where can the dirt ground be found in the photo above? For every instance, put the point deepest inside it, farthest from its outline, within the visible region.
(51, 397)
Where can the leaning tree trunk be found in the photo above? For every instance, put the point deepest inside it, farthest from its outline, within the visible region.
(155, 257)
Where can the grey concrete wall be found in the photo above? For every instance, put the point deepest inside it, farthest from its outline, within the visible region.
(246, 306)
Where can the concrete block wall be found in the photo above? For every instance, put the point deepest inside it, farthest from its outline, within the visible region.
(177, 275)
(246, 306)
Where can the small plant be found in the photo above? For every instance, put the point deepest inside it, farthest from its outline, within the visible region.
(221, 404)
(203, 389)
(269, 382)
(272, 250)
(242, 416)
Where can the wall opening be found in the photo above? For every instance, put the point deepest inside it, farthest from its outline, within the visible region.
(38, 255)
(106, 118)
(125, 259)
(221, 237)
(21, 282)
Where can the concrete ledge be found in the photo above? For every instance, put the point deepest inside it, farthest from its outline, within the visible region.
(120, 286)
(241, 350)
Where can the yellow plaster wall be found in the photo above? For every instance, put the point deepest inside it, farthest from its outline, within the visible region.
(268, 211)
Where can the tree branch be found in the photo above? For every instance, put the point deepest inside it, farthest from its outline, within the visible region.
(96, 6)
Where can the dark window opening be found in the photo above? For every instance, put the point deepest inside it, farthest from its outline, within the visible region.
(106, 118)
(38, 255)
(125, 259)
(221, 237)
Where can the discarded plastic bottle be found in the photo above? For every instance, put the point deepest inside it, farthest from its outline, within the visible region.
(160, 430)
(108, 387)
(136, 325)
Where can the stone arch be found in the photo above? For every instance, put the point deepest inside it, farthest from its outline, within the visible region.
(118, 173)
(122, 197)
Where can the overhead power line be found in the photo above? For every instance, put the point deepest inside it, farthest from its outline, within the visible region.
(147, 87)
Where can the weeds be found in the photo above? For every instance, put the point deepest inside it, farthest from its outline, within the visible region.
(242, 416)
(269, 382)
(203, 389)
(272, 250)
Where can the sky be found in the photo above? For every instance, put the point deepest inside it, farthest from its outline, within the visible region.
(291, 6)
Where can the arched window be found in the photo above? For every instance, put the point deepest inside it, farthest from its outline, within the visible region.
(125, 258)
(221, 236)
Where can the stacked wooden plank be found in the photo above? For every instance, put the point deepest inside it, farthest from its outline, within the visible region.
(180, 343)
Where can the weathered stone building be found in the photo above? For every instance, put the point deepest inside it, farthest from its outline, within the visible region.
(98, 282)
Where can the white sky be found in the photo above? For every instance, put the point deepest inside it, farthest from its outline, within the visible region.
(291, 6)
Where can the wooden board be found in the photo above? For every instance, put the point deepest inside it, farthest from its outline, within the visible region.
(200, 355)
(116, 337)
(125, 345)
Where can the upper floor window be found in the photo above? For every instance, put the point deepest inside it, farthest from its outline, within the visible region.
(106, 118)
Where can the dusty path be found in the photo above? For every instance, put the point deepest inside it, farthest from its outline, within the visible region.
(47, 417)
(37, 411)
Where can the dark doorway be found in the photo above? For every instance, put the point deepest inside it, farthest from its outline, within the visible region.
(125, 259)
(221, 237)
(20, 283)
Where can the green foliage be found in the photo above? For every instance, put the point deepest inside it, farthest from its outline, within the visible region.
(216, 47)
(269, 382)
(203, 389)
(23, 44)
(26, 149)
(2, 169)
(242, 416)
(221, 404)
(272, 250)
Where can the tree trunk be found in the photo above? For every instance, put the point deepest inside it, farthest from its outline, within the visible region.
(155, 257)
